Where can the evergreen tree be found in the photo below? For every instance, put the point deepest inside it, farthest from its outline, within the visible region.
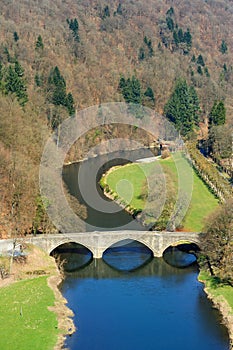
(141, 55)
(200, 61)
(188, 38)
(39, 43)
(119, 9)
(7, 53)
(217, 114)
(57, 89)
(223, 47)
(199, 70)
(180, 35)
(170, 12)
(19, 69)
(55, 78)
(182, 107)
(170, 23)
(149, 96)
(150, 48)
(16, 37)
(74, 27)
(106, 12)
(175, 38)
(122, 83)
(131, 90)
(14, 83)
(70, 104)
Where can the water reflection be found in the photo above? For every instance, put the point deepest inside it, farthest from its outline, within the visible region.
(175, 257)
(156, 306)
(127, 255)
(72, 256)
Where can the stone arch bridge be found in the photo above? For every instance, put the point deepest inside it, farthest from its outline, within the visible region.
(97, 242)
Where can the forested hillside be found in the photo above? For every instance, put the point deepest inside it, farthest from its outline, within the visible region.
(58, 56)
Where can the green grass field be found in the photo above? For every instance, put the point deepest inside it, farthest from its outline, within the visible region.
(129, 183)
(217, 290)
(26, 323)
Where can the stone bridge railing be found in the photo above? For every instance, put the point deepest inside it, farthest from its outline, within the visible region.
(98, 242)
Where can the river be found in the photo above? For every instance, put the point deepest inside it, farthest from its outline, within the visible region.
(129, 300)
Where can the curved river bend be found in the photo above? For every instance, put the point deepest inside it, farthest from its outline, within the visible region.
(119, 305)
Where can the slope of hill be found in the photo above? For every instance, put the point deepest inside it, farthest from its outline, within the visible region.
(106, 41)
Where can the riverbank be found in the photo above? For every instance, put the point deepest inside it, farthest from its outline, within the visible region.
(222, 299)
(128, 186)
(31, 304)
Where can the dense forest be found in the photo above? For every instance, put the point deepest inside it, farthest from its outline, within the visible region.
(60, 56)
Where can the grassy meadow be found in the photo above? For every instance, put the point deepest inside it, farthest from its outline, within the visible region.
(26, 322)
(129, 183)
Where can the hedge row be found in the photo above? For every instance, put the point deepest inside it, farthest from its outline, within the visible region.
(208, 172)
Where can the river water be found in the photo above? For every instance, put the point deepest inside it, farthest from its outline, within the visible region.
(131, 301)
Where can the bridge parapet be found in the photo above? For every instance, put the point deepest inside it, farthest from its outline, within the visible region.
(98, 242)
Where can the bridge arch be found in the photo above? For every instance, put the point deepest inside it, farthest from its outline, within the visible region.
(128, 239)
(66, 241)
(180, 243)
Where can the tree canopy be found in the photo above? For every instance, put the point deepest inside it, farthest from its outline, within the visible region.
(217, 114)
(217, 242)
(182, 107)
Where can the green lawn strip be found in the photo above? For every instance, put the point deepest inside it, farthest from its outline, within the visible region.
(128, 182)
(26, 322)
(217, 290)
(203, 202)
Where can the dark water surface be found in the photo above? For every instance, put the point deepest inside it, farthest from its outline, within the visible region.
(82, 180)
(129, 300)
(156, 307)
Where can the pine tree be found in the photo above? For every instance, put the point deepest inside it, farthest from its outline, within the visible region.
(149, 97)
(119, 9)
(199, 70)
(150, 94)
(131, 90)
(175, 38)
(188, 38)
(70, 104)
(217, 114)
(141, 55)
(200, 61)
(14, 83)
(19, 69)
(39, 43)
(223, 47)
(16, 37)
(106, 12)
(180, 35)
(182, 107)
(74, 27)
(170, 12)
(57, 89)
(170, 23)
